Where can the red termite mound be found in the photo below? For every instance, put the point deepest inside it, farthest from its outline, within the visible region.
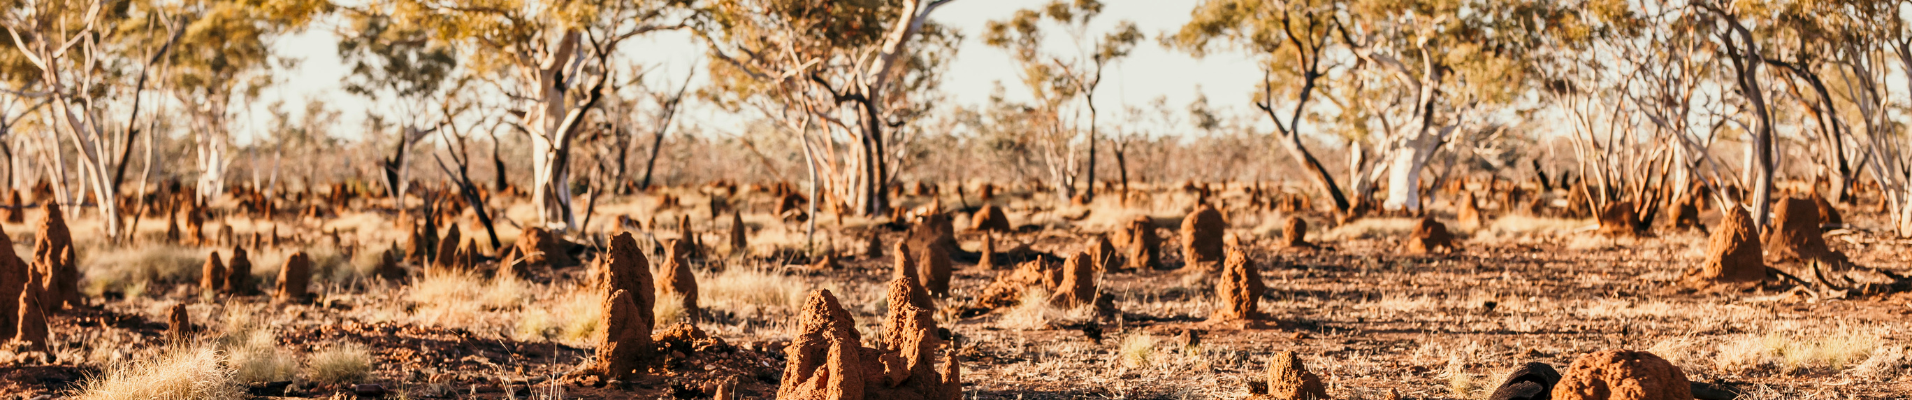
(1288, 379)
(626, 338)
(1429, 236)
(14, 275)
(238, 273)
(623, 267)
(828, 361)
(213, 275)
(1007, 289)
(991, 219)
(1795, 233)
(1619, 219)
(1077, 287)
(1202, 234)
(1239, 290)
(539, 247)
(1141, 246)
(295, 278)
(1733, 253)
(53, 256)
(1622, 375)
(676, 277)
(1294, 233)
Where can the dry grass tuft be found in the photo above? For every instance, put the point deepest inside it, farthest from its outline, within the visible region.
(258, 358)
(343, 363)
(130, 270)
(1138, 351)
(669, 309)
(570, 318)
(179, 373)
(1461, 384)
(1370, 228)
(751, 291)
(1033, 312)
(461, 298)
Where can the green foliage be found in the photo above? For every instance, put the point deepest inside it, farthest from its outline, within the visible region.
(227, 48)
(386, 56)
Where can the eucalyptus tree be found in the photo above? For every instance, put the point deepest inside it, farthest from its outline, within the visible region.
(1437, 65)
(847, 78)
(1057, 79)
(400, 62)
(79, 56)
(1292, 42)
(224, 59)
(549, 58)
(1733, 33)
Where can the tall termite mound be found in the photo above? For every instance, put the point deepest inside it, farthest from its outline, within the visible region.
(1202, 234)
(990, 219)
(1795, 233)
(986, 254)
(445, 258)
(1429, 236)
(1531, 381)
(32, 328)
(1077, 287)
(172, 228)
(687, 233)
(908, 270)
(624, 281)
(295, 278)
(238, 273)
(1239, 289)
(1288, 379)
(14, 275)
(1622, 375)
(930, 243)
(1102, 253)
(195, 226)
(1686, 211)
(827, 360)
(178, 323)
(1294, 233)
(626, 337)
(739, 235)
(676, 277)
(15, 212)
(1141, 247)
(53, 257)
(1732, 253)
(623, 267)
(212, 276)
(423, 241)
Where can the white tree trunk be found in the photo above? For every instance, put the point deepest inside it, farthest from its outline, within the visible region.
(551, 189)
(213, 156)
(1404, 167)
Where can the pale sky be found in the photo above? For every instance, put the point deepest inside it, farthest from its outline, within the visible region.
(1150, 72)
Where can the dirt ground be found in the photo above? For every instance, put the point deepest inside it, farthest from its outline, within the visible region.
(1372, 321)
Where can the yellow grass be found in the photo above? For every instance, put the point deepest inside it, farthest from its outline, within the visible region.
(459, 298)
(1138, 350)
(751, 290)
(342, 363)
(130, 270)
(194, 372)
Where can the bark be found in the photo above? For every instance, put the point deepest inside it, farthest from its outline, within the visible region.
(552, 123)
